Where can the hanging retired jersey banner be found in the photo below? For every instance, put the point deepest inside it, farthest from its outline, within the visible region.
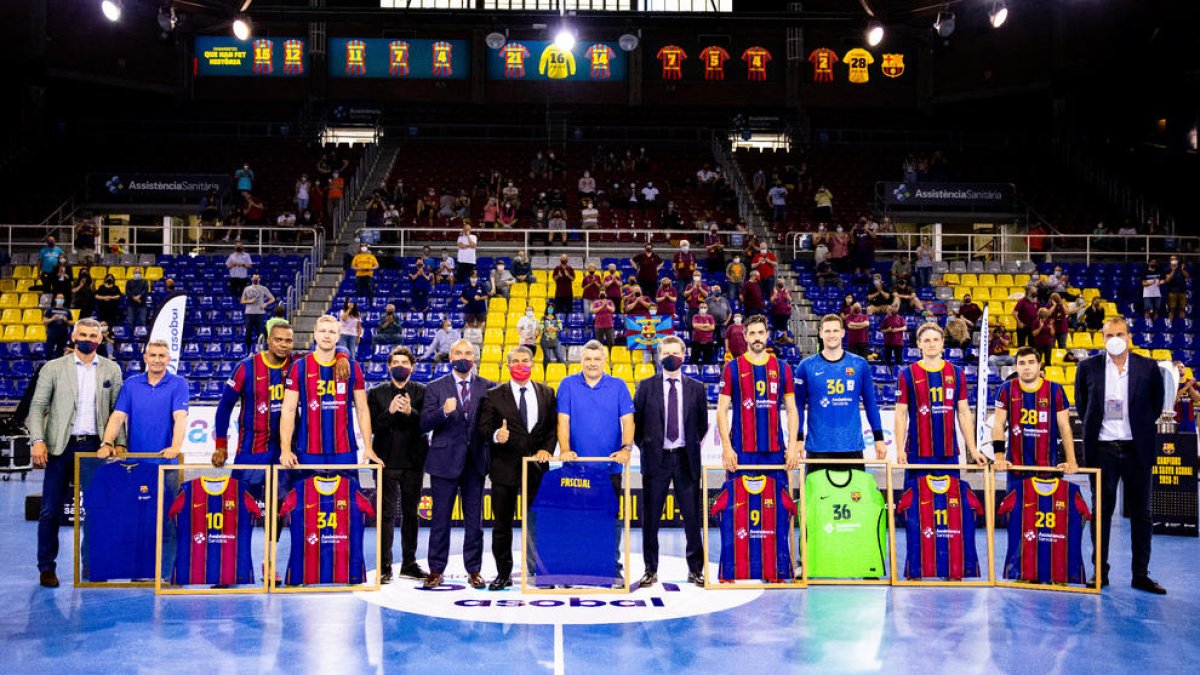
(543, 61)
(399, 59)
(256, 57)
(1173, 504)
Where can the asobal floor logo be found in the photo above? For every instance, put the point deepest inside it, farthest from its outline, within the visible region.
(669, 599)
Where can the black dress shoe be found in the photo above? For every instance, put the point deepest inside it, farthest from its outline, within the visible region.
(475, 579)
(413, 571)
(1092, 582)
(500, 583)
(1149, 585)
(648, 579)
(696, 578)
(385, 578)
(48, 579)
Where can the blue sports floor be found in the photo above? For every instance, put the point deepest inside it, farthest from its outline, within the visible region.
(826, 629)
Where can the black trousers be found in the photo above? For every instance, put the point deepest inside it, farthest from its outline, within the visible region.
(401, 488)
(1024, 337)
(675, 468)
(504, 510)
(893, 355)
(1118, 462)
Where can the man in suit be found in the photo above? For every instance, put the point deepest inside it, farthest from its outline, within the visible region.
(457, 462)
(670, 419)
(1119, 397)
(395, 408)
(74, 398)
(520, 420)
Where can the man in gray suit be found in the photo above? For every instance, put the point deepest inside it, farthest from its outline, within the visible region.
(74, 397)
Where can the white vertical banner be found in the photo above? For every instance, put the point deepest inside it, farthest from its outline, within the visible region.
(168, 325)
(982, 433)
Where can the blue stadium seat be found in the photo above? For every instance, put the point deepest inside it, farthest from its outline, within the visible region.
(714, 393)
(376, 370)
(237, 351)
(213, 389)
(21, 368)
(423, 372)
(224, 369)
(195, 387)
(710, 374)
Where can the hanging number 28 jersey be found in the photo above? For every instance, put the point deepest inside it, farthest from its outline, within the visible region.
(215, 519)
(940, 522)
(756, 522)
(327, 519)
(1045, 531)
(845, 524)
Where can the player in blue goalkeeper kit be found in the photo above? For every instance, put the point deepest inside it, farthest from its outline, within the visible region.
(829, 387)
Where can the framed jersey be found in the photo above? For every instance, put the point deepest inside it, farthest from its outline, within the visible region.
(326, 515)
(756, 510)
(846, 522)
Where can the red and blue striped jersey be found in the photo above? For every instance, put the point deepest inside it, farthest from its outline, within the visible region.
(327, 517)
(1185, 411)
(259, 387)
(325, 408)
(600, 56)
(356, 57)
(1032, 421)
(514, 55)
(263, 57)
(756, 515)
(940, 523)
(1045, 531)
(758, 392)
(932, 398)
(215, 523)
(443, 64)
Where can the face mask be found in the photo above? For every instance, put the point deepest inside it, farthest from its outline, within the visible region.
(737, 261)
(840, 229)
(716, 290)
(704, 310)
(59, 302)
(108, 281)
(671, 363)
(653, 312)
(529, 314)
(520, 372)
(463, 366)
(400, 373)
(363, 249)
(137, 275)
(737, 319)
(550, 312)
(762, 250)
(86, 346)
(1115, 346)
(684, 249)
(696, 279)
(474, 279)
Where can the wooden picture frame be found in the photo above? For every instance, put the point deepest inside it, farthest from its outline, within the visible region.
(889, 508)
(710, 581)
(273, 530)
(76, 502)
(1097, 505)
(625, 511)
(988, 579)
(161, 588)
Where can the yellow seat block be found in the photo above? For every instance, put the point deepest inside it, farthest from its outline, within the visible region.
(1161, 355)
(8, 285)
(1056, 355)
(643, 371)
(1069, 390)
(1005, 280)
(541, 276)
(14, 333)
(24, 285)
(623, 371)
(619, 354)
(950, 279)
(1021, 280)
(28, 300)
(24, 272)
(492, 354)
(10, 316)
(988, 280)
(574, 368)
(118, 273)
(1069, 371)
(537, 291)
(968, 279)
(555, 371)
(516, 305)
(35, 333)
(490, 371)
(493, 336)
(518, 291)
(537, 372)
(1056, 374)
(31, 316)
(497, 304)
(9, 300)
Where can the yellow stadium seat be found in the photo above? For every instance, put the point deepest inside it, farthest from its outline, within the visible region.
(632, 386)
(97, 271)
(511, 319)
(982, 293)
(968, 279)
(1141, 352)
(1069, 370)
(1110, 309)
(1089, 293)
(1021, 280)
(619, 354)
(492, 354)
(1079, 341)
(950, 279)
(30, 316)
(1161, 355)
(9, 300)
(1056, 355)
(14, 333)
(10, 316)
(75, 315)
(995, 308)
(154, 273)
(8, 285)
(497, 304)
(1008, 321)
(1069, 390)
(541, 276)
(118, 273)
(555, 371)
(516, 305)
(1005, 280)
(537, 291)
(24, 272)
(961, 292)
(1010, 306)
(538, 305)
(519, 291)
(573, 368)
(24, 285)
(643, 371)
(490, 371)
(988, 280)
(493, 336)
(28, 300)
(622, 371)
(538, 372)
(35, 333)
(1056, 374)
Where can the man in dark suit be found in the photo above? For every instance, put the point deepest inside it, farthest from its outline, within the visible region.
(1119, 397)
(457, 462)
(520, 420)
(670, 419)
(395, 408)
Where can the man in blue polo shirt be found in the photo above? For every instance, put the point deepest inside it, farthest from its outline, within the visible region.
(595, 412)
(154, 407)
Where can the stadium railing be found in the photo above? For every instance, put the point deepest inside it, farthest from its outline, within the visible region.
(404, 241)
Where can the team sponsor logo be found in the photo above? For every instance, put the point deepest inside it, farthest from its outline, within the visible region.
(825, 403)
(953, 502)
(262, 408)
(893, 65)
(314, 405)
(768, 503)
(741, 533)
(927, 533)
(924, 410)
(1030, 535)
(1043, 416)
(849, 372)
(198, 538)
(774, 388)
(144, 489)
(313, 539)
(748, 404)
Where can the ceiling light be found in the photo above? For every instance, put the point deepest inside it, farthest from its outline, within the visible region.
(874, 33)
(242, 28)
(111, 9)
(999, 14)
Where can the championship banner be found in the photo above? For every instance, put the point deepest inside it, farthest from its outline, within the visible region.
(983, 433)
(257, 57)
(154, 188)
(1173, 503)
(644, 332)
(542, 61)
(399, 59)
(996, 196)
(167, 324)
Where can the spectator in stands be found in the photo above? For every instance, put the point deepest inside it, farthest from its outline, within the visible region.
(735, 276)
(388, 329)
(364, 265)
(886, 231)
(443, 339)
(924, 264)
(108, 301)
(351, 327)
(714, 249)
(958, 333)
(587, 186)
(999, 342)
(1059, 281)
(86, 232)
(564, 282)
(285, 225)
(970, 311)
(511, 193)
(522, 268)
(670, 219)
(474, 300)
(83, 295)
(210, 214)
(593, 286)
(446, 273)
(735, 337)
(244, 178)
(541, 209)
(467, 247)
(611, 282)
(906, 296)
(823, 201)
(137, 299)
(427, 205)
(1099, 236)
(548, 338)
(719, 309)
(858, 332)
(555, 166)
(847, 307)
(538, 167)
(1152, 290)
(820, 243)
(893, 327)
(491, 214)
(667, 299)
(1059, 313)
(446, 204)
(557, 226)
(839, 249)
(705, 176)
(589, 215)
(603, 321)
(901, 268)
(704, 335)
(108, 342)
(649, 196)
(630, 199)
(1093, 315)
(752, 296)
(501, 280)
(1126, 234)
(880, 297)
(169, 285)
(647, 265)
(1043, 335)
(61, 281)
(119, 248)
(254, 211)
(462, 205)
(48, 259)
(333, 195)
(375, 211)
(495, 183)
(766, 264)
(863, 242)
(422, 283)
(255, 299)
(58, 322)
(1025, 314)
(238, 263)
(303, 194)
(695, 293)
(684, 263)
(781, 310)
(826, 275)
(758, 181)
(777, 199)
(1177, 281)
(527, 330)
(636, 303)
(508, 214)
(307, 220)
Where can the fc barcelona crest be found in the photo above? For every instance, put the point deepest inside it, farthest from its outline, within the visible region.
(849, 372)
(768, 503)
(425, 508)
(855, 496)
(342, 505)
(1060, 505)
(230, 505)
(893, 65)
(953, 502)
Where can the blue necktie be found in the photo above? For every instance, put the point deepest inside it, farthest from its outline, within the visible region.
(672, 411)
(464, 396)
